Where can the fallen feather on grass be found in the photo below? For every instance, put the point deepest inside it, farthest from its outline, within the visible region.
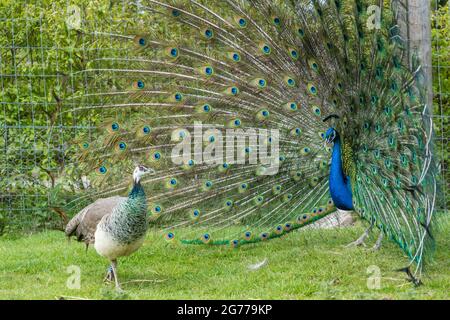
(259, 265)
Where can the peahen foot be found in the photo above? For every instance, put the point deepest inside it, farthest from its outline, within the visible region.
(116, 278)
(361, 239)
(109, 277)
(377, 244)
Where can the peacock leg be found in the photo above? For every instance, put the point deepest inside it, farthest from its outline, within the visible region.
(109, 277)
(377, 244)
(116, 278)
(361, 239)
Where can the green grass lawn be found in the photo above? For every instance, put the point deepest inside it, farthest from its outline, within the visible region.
(310, 264)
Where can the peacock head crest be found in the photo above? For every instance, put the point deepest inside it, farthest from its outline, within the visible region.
(331, 135)
(140, 171)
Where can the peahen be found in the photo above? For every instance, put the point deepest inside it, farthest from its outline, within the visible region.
(256, 112)
(116, 225)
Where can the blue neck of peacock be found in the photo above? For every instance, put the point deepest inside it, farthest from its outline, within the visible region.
(340, 187)
(137, 191)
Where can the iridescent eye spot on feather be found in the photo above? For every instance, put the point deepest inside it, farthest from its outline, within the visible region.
(404, 160)
(170, 236)
(247, 235)
(85, 145)
(388, 163)
(259, 83)
(228, 204)
(146, 130)
(262, 114)
(378, 128)
(242, 22)
(205, 238)
(287, 227)
(102, 170)
(234, 56)
(195, 214)
(365, 149)
(157, 156)
(142, 42)
(139, 84)
(122, 146)
(262, 83)
(171, 183)
(301, 32)
(394, 86)
(279, 229)
(291, 106)
(374, 99)
(243, 187)
(232, 91)
(156, 209)
(276, 21)
(276, 189)
(208, 34)
(172, 52)
(178, 97)
(294, 54)
(377, 153)
(287, 197)
(312, 89)
(115, 126)
(297, 132)
(208, 71)
(175, 13)
(258, 200)
(391, 141)
(264, 236)
(207, 185)
(265, 49)
(234, 243)
(388, 111)
(289, 81)
(366, 125)
(313, 65)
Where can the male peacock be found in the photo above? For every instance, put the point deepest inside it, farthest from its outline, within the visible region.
(116, 225)
(232, 102)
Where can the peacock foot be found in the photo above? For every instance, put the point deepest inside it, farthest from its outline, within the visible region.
(377, 244)
(109, 277)
(361, 240)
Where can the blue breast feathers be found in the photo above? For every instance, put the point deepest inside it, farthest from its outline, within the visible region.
(340, 185)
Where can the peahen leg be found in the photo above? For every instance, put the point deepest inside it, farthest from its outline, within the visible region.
(361, 239)
(377, 244)
(109, 277)
(116, 278)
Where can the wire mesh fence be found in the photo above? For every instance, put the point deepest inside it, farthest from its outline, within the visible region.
(42, 55)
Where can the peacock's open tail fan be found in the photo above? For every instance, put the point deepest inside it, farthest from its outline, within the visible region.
(226, 100)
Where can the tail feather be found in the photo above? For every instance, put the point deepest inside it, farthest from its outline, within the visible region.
(269, 72)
